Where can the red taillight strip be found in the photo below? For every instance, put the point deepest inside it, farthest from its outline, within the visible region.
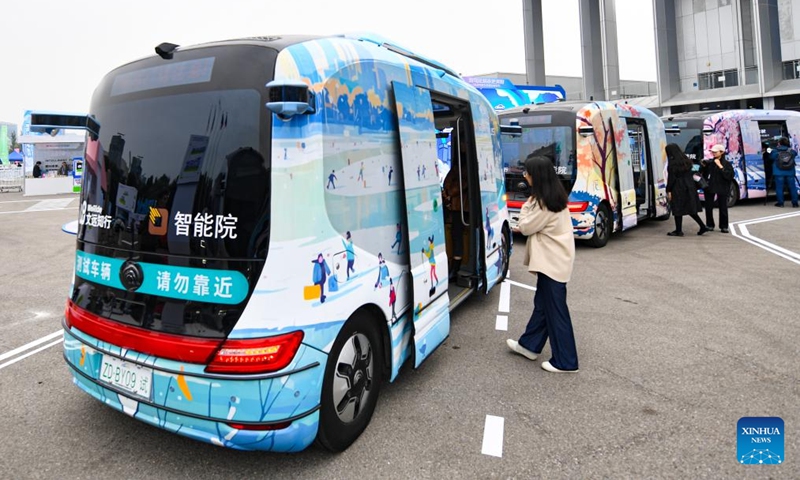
(515, 204)
(262, 427)
(162, 345)
(578, 206)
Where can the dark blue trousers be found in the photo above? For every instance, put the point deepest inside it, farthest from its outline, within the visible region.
(550, 319)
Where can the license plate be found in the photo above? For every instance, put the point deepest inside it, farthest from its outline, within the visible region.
(130, 377)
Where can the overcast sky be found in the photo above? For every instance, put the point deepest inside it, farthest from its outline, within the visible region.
(56, 51)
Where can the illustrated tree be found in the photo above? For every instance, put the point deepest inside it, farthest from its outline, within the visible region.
(605, 149)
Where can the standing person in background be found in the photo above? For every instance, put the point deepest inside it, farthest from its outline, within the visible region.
(549, 254)
(719, 173)
(681, 190)
(784, 172)
(37, 170)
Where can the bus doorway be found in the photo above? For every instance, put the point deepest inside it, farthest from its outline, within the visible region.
(642, 167)
(459, 200)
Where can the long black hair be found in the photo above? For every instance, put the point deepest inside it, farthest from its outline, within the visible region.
(678, 161)
(546, 188)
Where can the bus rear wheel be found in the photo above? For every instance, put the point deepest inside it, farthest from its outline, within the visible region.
(733, 194)
(351, 385)
(602, 227)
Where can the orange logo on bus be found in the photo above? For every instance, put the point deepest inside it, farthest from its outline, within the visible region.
(158, 221)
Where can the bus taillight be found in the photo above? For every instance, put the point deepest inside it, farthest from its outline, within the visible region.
(256, 355)
(262, 427)
(577, 206)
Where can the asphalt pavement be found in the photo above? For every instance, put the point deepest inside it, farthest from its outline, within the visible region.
(678, 338)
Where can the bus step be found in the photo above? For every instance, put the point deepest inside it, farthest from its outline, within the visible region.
(465, 279)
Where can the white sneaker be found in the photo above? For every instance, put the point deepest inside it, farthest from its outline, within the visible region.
(550, 368)
(517, 348)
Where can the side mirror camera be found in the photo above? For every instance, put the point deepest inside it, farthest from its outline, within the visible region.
(708, 130)
(586, 131)
(287, 98)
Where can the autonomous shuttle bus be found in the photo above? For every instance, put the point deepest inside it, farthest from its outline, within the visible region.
(262, 240)
(609, 156)
(746, 134)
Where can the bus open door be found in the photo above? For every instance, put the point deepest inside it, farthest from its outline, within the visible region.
(425, 233)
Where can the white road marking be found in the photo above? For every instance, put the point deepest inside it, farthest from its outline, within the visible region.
(32, 344)
(505, 297)
(51, 204)
(767, 219)
(12, 362)
(782, 250)
(40, 210)
(36, 200)
(501, 323)
(745, 235)
(493, 436)
(529, 287)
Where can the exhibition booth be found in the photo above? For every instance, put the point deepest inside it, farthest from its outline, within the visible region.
(60, 161)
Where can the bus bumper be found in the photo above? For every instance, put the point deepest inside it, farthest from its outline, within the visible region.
(279, 413)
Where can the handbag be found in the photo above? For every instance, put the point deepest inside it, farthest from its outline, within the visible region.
(700, 182)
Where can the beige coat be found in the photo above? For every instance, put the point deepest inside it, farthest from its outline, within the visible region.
(551, 244)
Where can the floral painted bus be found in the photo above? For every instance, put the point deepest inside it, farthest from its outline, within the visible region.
(609, 156)
(262, 240)
(746, 135)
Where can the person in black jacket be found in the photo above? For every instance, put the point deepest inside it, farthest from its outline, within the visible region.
(681, 190)
(37, 170)
(719, 173)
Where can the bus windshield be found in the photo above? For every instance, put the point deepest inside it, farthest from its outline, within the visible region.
(690, 138)
(561, 138)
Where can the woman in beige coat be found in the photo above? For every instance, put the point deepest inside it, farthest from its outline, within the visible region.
(549, 254)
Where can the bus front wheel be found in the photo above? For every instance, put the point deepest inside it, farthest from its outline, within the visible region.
(602, 227)
(505, 253)
(352, 383)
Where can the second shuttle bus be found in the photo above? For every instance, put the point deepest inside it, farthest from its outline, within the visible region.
(609, 156)
(744, 134)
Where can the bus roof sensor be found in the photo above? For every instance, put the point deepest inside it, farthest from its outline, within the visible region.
(165, 50)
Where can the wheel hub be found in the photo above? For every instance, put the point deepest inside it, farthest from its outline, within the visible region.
(353, 377)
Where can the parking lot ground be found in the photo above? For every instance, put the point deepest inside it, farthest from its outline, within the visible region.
(678, 338)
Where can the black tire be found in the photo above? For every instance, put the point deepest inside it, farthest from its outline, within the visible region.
(602, 227)
(733, 194)
(505, 253)
(353, 374)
